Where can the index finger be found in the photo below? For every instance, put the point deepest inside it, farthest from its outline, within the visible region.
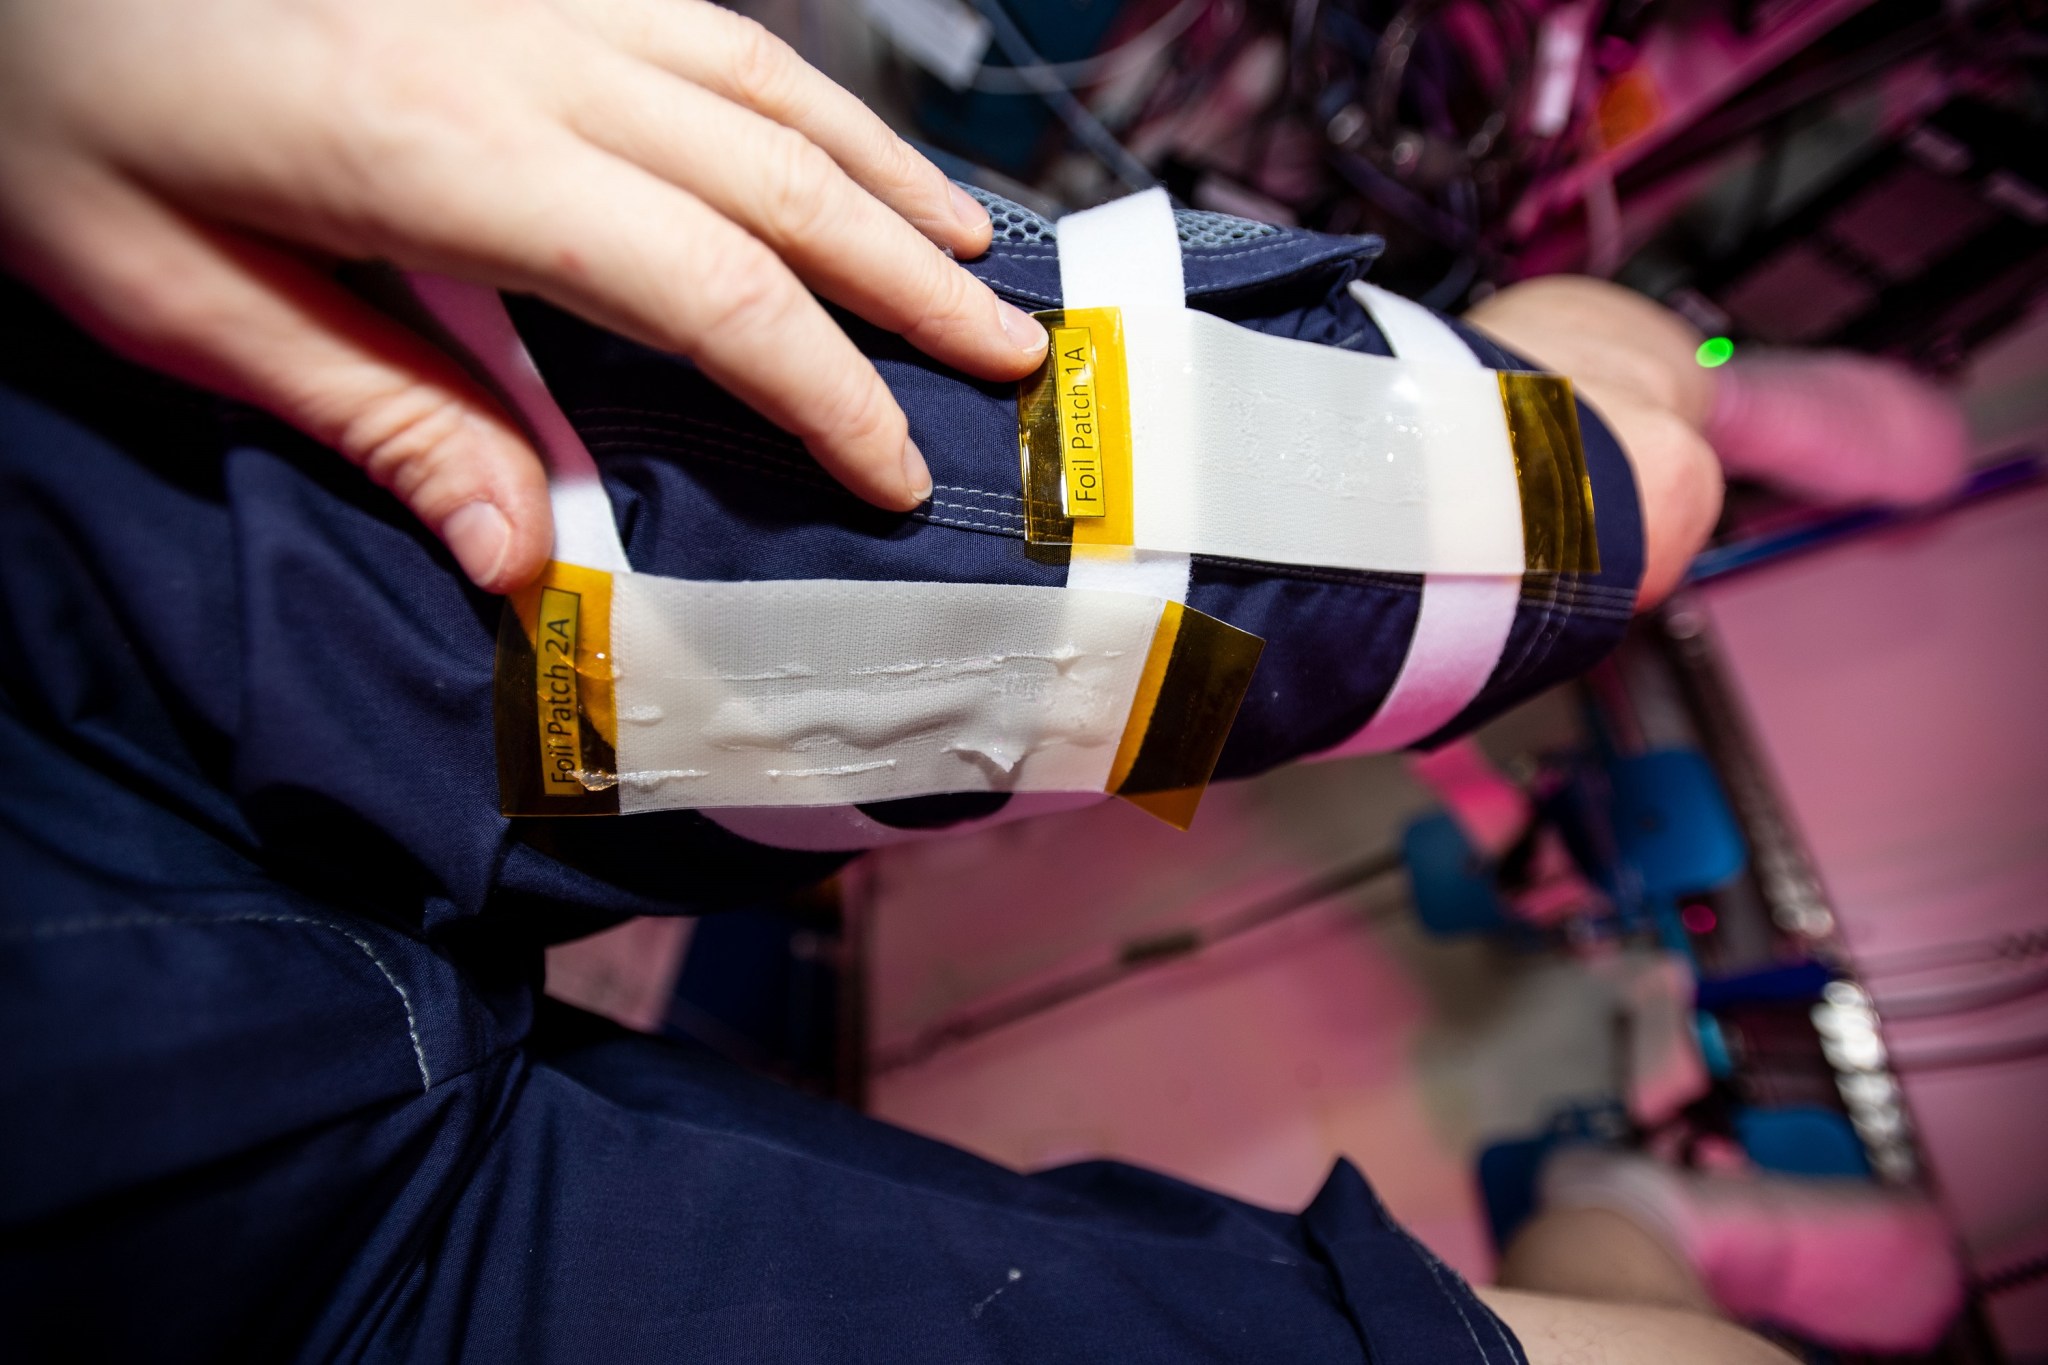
(734, 56)
(625, 249)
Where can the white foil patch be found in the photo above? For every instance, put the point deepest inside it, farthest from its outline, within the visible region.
(1267, 448)
(828, 692)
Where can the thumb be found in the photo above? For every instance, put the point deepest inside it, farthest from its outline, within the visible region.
(250, 320)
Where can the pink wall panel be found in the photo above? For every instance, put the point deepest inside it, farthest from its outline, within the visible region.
(1898, 686)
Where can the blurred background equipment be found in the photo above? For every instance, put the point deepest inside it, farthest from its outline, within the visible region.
(1763, 894)
(1886, 155)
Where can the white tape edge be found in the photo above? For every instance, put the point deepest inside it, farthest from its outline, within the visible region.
(586, 531)
(1126, 254)
(1463, 621)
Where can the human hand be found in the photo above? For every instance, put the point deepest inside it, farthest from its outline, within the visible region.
(179, 178)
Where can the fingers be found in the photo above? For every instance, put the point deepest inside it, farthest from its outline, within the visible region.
(736, 58)
(655, 263)
(246, 319)
(837, 237)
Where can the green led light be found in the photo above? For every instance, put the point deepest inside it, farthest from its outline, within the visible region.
(1715, 352)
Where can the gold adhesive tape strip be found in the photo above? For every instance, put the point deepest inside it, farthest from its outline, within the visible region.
(1195, 679)
(1085, 363)
(555, 713)
(1147, 697)
(1558, 531)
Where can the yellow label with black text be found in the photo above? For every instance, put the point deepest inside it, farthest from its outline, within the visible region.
(555, 686)
(1074, 433)
(552, 696)
(1081, 426)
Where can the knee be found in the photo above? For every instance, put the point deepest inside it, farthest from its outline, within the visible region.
(1680, 484)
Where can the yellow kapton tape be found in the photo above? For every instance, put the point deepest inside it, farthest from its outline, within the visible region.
(556, 720)
(558, 698)
(1195, 679)
(1074, 433)
(1558, 534)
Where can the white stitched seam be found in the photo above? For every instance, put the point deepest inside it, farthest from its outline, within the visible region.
(1579, 592)
(1437, 1264)
(1015, 517)
(1436, 1272)
(44, 932)
(1532, 659)
(1010, 531)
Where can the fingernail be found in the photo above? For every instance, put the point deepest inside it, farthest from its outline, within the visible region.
(480, 536)
(973, 217)
(916, 477)
(1021, 328)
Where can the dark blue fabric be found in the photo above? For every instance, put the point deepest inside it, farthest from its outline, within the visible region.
(734, 499)
(274, 1079)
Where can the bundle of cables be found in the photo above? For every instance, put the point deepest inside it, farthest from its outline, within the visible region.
(1418, 120)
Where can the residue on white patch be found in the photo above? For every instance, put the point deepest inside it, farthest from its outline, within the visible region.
(997, 755)
(842, 770)
(650, 778)
(771, 675)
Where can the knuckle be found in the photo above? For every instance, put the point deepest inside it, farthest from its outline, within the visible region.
(1686, 468)
(166, 308)
(898, 172)
(795, 181)
(856, 408)
(905, 167)
(946, 304)
(761, 66)
(407, 441)
(747, 289)
(955, 296)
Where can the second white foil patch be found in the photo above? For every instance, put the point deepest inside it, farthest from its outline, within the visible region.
(1266, 448)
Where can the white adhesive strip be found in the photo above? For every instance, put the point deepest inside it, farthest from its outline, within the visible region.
(1290, 452)
(825, 692)
(1463, 622)
(586, 532)
(1126, 254)
(1267, 448)
(929, 688)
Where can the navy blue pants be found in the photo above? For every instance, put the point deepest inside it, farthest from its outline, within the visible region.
(275, 1078)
